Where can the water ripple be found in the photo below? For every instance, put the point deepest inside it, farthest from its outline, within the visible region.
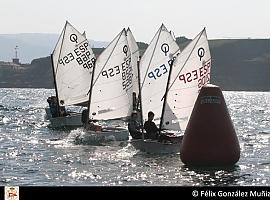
(33, 154)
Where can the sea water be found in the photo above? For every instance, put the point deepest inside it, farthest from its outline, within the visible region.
(32, 154)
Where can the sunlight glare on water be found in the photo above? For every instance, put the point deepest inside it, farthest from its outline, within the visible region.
(31, 153)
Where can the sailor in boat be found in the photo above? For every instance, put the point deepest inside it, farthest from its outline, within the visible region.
(134, 126)
(153, 132)
(90, 125)
(151, 128)
(53, 108)
(53, 105)
(62, 110)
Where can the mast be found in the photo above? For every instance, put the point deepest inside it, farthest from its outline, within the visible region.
(90, 91)
(53, 68)
(165, 97)
(55, 85)
(140, 97)
(91, 84)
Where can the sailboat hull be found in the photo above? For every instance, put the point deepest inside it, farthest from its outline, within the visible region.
(73, 120)
(156, 147)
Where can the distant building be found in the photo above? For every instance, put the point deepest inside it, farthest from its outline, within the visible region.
(16, 59)
(11, 65)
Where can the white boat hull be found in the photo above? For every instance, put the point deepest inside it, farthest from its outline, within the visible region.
(72, 120)
(156, 147)
(107, 134)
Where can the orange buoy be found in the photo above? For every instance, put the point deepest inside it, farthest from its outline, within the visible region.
(210, 138)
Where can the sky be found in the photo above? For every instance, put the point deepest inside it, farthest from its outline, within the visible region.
(104, 19)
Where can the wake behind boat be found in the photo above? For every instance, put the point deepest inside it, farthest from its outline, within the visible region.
(106, 134)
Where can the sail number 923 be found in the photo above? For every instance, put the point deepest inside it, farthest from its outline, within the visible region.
(202, 75)
(125, 69)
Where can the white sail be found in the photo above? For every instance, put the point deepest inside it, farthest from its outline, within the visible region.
(154, 71)
(112, 88)
(73, 62)
(134, 50)
(191, 70)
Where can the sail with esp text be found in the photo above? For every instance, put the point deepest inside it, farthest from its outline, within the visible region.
(154, 70)
(190, 71)
(113, 85)
(73, 62)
